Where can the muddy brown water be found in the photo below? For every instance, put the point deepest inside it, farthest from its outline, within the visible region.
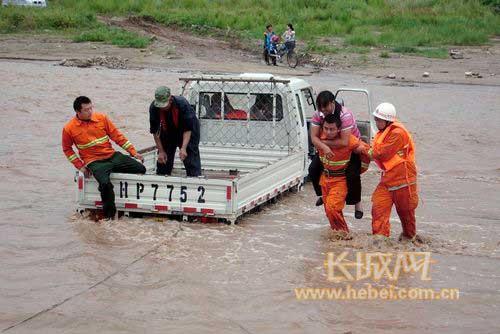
(61, 273)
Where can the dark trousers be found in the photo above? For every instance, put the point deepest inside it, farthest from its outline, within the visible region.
(352, 173)
(101, 169)
(192, 163)
(287, 47)
(353, 176)
(267, 56)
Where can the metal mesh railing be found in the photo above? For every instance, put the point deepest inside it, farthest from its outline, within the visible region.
(243, 112)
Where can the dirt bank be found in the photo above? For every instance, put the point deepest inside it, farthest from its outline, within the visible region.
(180, 51)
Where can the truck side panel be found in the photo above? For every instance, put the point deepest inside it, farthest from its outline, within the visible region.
(172, 195)
(260, 186)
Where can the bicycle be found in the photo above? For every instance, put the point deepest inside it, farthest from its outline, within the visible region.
(292, 58)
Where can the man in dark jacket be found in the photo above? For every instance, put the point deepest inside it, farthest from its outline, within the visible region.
(173, 124)
(268, 34)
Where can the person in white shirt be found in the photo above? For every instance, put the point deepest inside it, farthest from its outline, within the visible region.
(289, 37)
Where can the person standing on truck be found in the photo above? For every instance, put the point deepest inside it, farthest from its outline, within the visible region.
(393, 151)
(91, 132)
(326, 105)
(268, 34)
(174, 124)
(333, 179)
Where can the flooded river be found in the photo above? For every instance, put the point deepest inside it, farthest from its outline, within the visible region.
(62, 273)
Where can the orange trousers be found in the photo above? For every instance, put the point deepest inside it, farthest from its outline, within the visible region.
(334, 190)
(405, 200)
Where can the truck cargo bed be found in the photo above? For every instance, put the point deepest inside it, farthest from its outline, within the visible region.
(234, 180)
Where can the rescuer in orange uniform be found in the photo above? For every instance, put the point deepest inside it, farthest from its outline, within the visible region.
(393, 151)
(333, 180)
(91, 132)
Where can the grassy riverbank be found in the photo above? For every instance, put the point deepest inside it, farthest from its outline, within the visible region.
(421, 27)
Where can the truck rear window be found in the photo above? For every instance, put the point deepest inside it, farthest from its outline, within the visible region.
(240, 106)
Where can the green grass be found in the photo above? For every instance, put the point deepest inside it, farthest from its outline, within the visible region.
(362, 23)
(494, 4)
(81, 27)
(314, 47)
(17, 19)
(113, 36)
(384, 54)
(425, 52)
(361, 37)
(361, 60)
(356, 49)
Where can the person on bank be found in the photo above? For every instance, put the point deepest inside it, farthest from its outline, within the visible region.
(289, 38)
(91, 133)
(393, 151)
(333, 178)
(174, 124)
(326, 104)
(268, 35)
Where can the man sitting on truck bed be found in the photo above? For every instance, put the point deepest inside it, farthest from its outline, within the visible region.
(327, 105)
(173, 123)
(91, 132)
(333, 179)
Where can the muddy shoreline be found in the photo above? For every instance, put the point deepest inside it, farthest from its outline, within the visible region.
(175, 50)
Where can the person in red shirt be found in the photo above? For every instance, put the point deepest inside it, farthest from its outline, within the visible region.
(91, 133)
(173, 124)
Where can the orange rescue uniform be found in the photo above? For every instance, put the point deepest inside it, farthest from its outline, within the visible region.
(393, 151)
(333, 181)
(92, 138)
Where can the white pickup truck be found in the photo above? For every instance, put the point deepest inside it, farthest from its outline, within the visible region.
(254, 146)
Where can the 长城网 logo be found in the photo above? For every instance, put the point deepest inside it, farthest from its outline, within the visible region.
(377, 266)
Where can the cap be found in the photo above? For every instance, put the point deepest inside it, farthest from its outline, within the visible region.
(162, 94)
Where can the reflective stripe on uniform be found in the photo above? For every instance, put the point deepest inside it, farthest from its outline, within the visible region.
(93, 142)
(364, 165)
(333, 163)
(333, 173)
(406, 154)
(72, 157)
(126, 145)
(401, 153)
(400, 186)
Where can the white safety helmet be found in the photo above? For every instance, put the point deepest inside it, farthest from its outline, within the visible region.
(385, 111)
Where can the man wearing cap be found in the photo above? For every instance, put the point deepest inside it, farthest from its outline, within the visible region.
(173, 124)
(393, 151)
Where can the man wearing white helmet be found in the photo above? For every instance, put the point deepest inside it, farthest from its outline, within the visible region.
(393, 151)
